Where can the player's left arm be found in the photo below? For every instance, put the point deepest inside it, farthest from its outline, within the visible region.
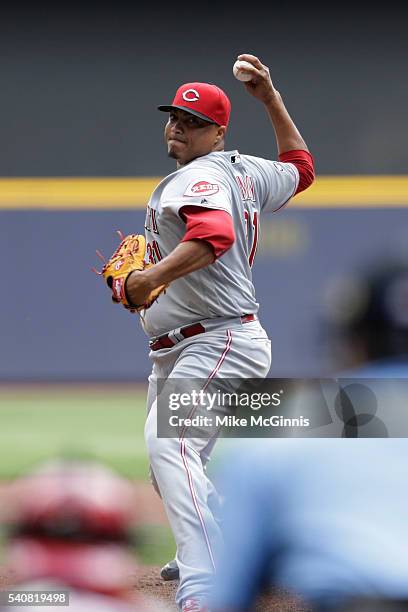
(209, 234)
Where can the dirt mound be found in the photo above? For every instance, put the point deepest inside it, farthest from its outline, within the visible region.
(148, 581)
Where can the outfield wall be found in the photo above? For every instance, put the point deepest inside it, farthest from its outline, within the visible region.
(80, 89)
(58, 323)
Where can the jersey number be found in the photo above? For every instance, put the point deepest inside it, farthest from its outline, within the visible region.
(254, 223)
(153, 252)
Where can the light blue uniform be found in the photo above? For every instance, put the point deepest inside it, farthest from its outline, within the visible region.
(324, 518)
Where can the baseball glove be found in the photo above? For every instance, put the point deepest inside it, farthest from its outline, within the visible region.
(128, 257)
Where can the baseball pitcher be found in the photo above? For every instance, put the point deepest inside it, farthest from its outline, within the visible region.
(192, 283)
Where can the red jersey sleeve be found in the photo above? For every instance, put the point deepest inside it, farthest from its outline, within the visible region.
(214, 226)
(303, 161)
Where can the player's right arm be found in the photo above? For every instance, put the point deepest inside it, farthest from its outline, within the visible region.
(291, 146)
(288, 137)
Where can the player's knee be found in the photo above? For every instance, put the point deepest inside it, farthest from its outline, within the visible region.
(154, 481)
(156, 447)
(150, 431)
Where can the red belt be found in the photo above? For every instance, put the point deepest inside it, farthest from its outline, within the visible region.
(187, 332)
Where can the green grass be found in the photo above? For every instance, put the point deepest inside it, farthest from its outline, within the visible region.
(156, 545)
(106, 424)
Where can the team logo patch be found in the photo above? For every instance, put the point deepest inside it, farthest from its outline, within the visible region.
(191, 95)
(202, 188)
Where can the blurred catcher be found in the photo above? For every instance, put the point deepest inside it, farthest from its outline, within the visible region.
(70, 528)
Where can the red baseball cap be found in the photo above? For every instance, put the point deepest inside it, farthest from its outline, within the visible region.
(204, 100)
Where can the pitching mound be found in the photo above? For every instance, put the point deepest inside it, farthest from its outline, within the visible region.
(148, 581)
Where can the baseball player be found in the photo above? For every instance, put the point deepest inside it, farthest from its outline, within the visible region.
(202, 232)
(328, 546)
(69, 527)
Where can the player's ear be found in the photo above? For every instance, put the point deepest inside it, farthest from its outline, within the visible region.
(220, 134)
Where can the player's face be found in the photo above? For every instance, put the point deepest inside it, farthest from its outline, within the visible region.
(188, 136)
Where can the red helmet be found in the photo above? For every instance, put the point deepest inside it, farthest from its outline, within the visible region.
(72, 520)
(75, 500)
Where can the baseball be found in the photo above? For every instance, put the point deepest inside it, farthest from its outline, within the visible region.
(239, 70)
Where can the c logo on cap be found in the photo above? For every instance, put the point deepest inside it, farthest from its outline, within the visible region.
(193, 98)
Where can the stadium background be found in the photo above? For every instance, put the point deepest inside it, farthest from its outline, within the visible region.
(79, 94)
(82, 148)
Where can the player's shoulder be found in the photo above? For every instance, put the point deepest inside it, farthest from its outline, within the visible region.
(256, 162)
(226, 160)
(223, 164)
(234, 162)
(206, 173)
(217, 162)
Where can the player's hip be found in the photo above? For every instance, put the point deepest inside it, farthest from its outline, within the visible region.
(249, 322)
(237, 348)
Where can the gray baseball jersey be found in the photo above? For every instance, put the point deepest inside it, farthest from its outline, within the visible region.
(242, 185)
